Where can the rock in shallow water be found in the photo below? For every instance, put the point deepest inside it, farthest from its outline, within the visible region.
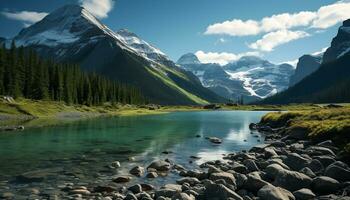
(160, 165)
(137, 171)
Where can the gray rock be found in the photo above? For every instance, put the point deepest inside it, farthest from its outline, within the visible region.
(215, 140)
(250, 164)
(337, 172)
(219, 191)
(270, 192)
(189, 180)
(165, 193)
(241, 179)
(254, 183)
(122, 179)
(115, 164)
(273, 170)
(308, 172)
(160, 165)
(316, 166)
(325, 160)
(147, 187)
(175, 187)
(144, 196)
(137, 171)
(304, 194)
(237, 167)
(270, 152)
(229, 178)
(322, 150)
(152, 175)
(183, 196)
(292, 180)
(325, 185)
(130, 196)
(278, 144)
(295, 161)
(135, 188)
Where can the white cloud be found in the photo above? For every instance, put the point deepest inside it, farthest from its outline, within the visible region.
(330, 15)
(27, 17)
(274, 39)
(222, 58)
(324, 17)
(99, 8)
(235, 27)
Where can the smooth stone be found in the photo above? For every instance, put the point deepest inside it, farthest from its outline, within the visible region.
(316, 166)
(146, 187)
(137, 171)
(273, 170)
(115, 164)
(325, 160)
(322, 150)
(254, 183)
(175, 187)
(292, 180)
(251, 165)
(229, 178)
(270, 152)
(270, 192)
(304, 194)
(237, 167)
(80, 191)
(325, 185)
(295, 161)
(160, 165)
(219, 191)
(337, 173)
(152, 175)
(190, 180)
(135, 189)
(130, 196)
(165, 193)
(307, 171)
(215, 140)
(183, 196)
(122, 179)
(144, 196)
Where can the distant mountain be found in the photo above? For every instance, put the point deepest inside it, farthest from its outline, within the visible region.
(250, 77)
(340, 45)
(213, 76)
(260, 77)
(306, 65)
(330, 83)
(72, 34)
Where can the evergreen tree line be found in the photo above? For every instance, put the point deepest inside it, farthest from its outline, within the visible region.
(24, 74)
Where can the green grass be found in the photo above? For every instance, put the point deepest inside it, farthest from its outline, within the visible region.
(321, 123)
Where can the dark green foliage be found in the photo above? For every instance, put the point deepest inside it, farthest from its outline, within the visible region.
(329, 84)
(24, 74)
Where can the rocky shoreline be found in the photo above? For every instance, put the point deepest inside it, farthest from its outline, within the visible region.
(286, 167)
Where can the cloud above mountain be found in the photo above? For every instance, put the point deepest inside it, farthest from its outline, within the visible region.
(273, 39)
(27, 17)
(282, 28)
(222, 58)
(99, 8)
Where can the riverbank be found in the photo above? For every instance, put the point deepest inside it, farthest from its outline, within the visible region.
(287, 166)
(290, 165)
(24, 113)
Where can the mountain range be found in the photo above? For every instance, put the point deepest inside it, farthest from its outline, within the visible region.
(330, 82)
(71, 34)
(250, 77)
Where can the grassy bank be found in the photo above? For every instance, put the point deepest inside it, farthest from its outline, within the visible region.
(320, 124)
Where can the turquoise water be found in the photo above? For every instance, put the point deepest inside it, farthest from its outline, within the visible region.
(80, 151)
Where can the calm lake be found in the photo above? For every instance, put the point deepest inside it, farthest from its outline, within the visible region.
(79, 152)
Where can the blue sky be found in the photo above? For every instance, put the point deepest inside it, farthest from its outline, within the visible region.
(218, 31)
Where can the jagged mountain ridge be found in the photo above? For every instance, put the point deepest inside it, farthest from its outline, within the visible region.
(307, 64)
(250, 77)
(72, 34)
(329, 83)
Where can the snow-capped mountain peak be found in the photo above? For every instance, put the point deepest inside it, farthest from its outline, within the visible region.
(187, 59)
(140, 46)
